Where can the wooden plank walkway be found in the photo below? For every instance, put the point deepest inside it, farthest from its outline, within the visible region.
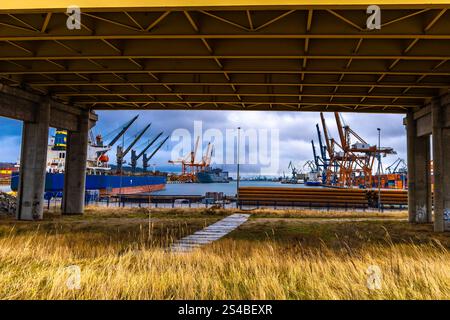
(209, 234)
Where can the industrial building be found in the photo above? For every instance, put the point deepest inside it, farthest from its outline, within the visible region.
(267, 55)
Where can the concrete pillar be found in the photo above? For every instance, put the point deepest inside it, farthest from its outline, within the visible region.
(75, 170)
(419, 179)
(33, 164)
(441, 164)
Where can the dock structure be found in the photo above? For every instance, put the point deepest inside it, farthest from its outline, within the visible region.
(265, 55)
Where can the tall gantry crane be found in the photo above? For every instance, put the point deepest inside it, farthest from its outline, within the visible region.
(294, 170)
(397, 167)
(146, 160)
(135, 156)
(99, 150)
(352, 158)
(121, 153)
(189, 166)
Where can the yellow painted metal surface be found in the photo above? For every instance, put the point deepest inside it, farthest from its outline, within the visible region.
(170, 55)
(157, 4)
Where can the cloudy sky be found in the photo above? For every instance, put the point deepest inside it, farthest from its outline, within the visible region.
(281, 137)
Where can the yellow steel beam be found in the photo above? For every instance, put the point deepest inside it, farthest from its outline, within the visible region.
(373, 36)
(204, 71)
(292, 84)
(159, 4)
(252, 57)
(220, 94)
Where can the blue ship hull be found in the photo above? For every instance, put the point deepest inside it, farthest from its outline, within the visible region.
(313, 183)
(106, 184)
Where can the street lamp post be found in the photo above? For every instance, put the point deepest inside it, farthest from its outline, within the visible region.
(379, 169)
(237, 161)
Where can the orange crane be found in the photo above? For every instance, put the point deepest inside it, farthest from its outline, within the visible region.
(350, 164)
(189, 166)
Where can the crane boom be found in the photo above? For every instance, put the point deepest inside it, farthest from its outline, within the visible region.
(148, 146)
(322, 147)
(122, 132)
(325, 132)
(146, 159)
(316, 161)
(194, 154)
(341, 131)
(135, 140)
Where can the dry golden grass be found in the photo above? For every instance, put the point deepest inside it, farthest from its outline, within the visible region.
(119, 262)
(329, 214)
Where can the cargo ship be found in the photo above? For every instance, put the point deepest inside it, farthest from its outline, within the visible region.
(99, 175)
(210, 175)
(105, 184)
(6, 171)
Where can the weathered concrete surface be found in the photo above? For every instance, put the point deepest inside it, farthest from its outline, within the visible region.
(75, 170)
(33, 164)
(441, 163)
(419, 171)
(22, 105)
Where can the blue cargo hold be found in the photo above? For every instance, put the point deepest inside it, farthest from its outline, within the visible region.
(54, 182)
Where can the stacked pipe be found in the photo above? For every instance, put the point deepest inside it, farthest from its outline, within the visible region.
(388, 197)
(307, 197)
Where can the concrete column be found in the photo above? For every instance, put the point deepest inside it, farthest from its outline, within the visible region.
(441, 165)
(33, 164)
(75, 170)
(419, 180)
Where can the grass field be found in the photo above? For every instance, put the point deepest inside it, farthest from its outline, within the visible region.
(275, 255)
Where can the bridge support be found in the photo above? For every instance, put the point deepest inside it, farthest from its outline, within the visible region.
(419, 174)
(433, 119)
(75, 170)
(441, 162)
(38, 113)
(33, 163)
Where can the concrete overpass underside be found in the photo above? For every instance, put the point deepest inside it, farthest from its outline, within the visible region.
(239, 55)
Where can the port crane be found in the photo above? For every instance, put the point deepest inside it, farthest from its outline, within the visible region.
(146, 160)
(206, 159)
(311, 165)
(316, 157)
(189, 166)
(351, 164)
(294, 170)
(121, 153)
(135, 156)
(122, 129)
(398, 166)
(97, 151)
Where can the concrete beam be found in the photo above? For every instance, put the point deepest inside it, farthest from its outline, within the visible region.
(441, 164)
(419, 174)
(30, 199)
(75, 171)
(424, 118)
(22, 105)
(424, 127)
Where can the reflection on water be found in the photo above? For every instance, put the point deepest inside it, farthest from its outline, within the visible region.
(227, 188)
(201, 188)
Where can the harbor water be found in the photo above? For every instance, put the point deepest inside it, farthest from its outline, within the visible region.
(228, 189)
